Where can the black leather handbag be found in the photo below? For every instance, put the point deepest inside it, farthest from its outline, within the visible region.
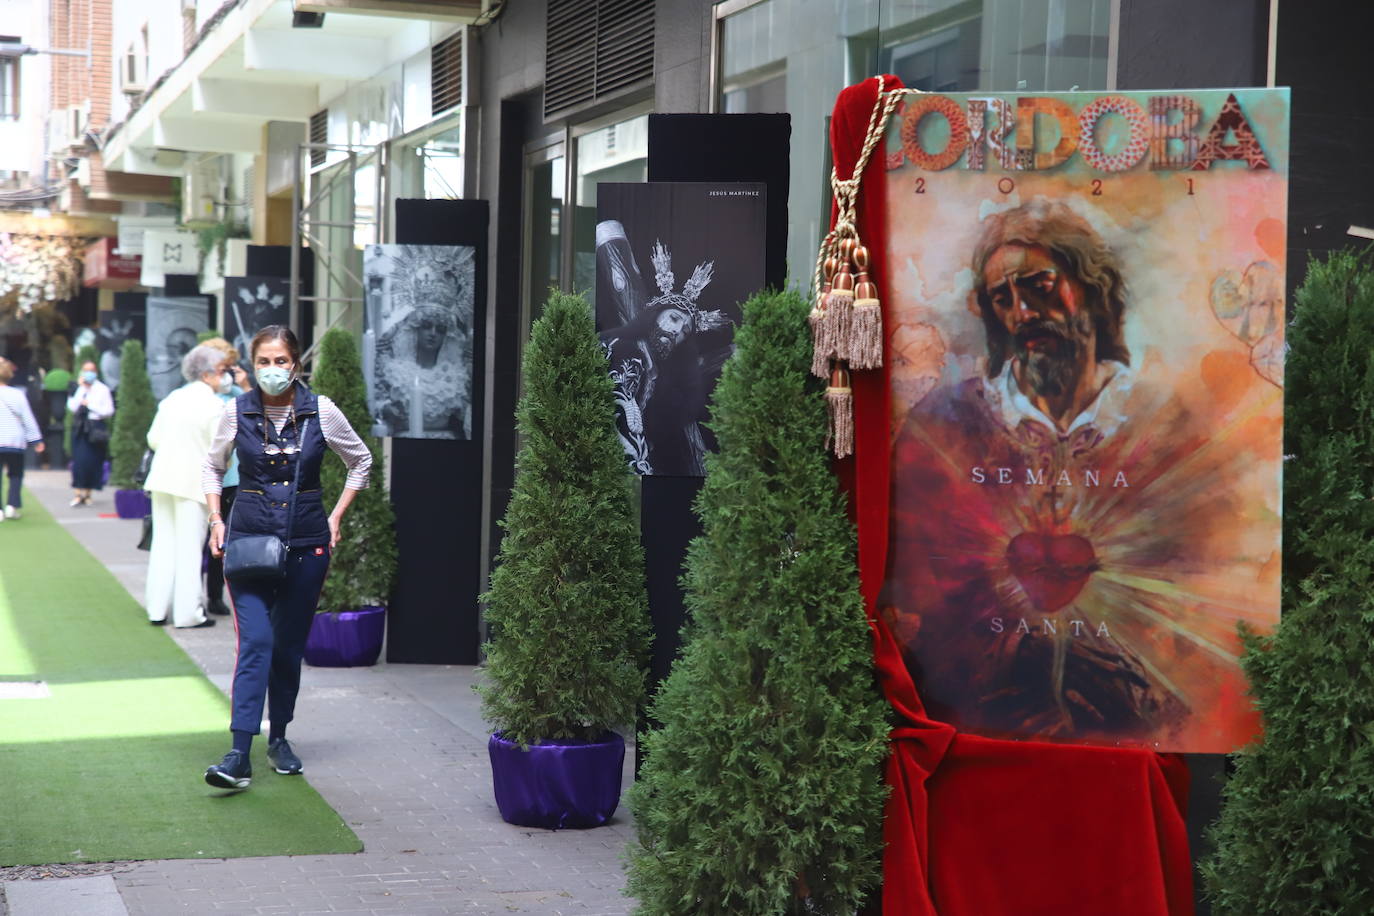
(145, 466)
(262, 556)
(258, 556)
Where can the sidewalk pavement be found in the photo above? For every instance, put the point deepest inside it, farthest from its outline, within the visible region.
(398, 750)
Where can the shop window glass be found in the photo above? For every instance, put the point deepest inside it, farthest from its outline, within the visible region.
(545, 221)
(796, 55)
(432, 168)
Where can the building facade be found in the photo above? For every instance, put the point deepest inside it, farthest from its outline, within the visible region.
(303, 121)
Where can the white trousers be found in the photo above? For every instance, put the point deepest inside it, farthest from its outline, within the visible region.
(174, 562)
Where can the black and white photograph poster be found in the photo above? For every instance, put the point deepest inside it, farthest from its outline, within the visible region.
(417, 341)
(251, 304)
(675, 262)
(128, 320)
(174, 322)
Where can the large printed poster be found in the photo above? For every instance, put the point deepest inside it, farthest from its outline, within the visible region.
(174, 323)
(251, 304)
(417, 346)
(675, 262)
(128, 320)
(1087, 367)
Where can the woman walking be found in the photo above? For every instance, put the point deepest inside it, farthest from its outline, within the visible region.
(279, 432)
(91, 407)
(180, 439)
(18, 429)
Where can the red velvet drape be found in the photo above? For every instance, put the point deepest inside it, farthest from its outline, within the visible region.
(976, 826)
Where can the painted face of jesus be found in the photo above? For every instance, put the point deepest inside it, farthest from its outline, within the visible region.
(1044, 311)
(672, 327)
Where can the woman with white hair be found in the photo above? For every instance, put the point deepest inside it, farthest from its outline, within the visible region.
(18, 430)
(180, 439)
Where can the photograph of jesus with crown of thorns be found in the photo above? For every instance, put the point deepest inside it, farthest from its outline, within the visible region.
(1087, 417)
(674, 263)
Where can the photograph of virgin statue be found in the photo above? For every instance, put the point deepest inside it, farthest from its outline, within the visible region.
(417, 343)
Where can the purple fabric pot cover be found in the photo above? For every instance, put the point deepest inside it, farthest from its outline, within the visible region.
(132, 504)
(557, 785)
(346, 639)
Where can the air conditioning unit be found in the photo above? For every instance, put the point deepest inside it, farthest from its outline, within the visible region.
(57, 132)
(66, 129)
(131, 79)
(77, 116)
(201, 187)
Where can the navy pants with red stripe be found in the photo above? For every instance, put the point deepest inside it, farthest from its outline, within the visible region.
(273, 617)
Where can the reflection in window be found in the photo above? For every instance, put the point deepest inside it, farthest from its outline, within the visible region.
(767, 93)
(9, 88)
(943, 61)
(617, 152)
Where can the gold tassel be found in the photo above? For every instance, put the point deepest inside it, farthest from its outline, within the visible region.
(864, 343)
(840, 310)
(822, 347)
(839, 401)
(822, 326)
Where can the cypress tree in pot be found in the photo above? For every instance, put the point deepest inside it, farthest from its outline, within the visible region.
(568, 611)
(349, 628)
(761, 792)
(129, 431)
(1296, 832)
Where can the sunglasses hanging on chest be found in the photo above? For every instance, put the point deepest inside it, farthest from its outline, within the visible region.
(279, 443)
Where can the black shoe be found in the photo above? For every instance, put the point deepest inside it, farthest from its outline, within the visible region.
(284, 760)
(219, 608)
(233, 772)
(207, 622)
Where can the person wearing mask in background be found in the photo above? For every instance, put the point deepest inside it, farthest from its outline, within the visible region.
(214, 566)
(91, 407)
(279, 432)
(18, 430)
(180, 439)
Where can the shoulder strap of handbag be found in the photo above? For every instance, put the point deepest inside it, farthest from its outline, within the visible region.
(295, 481)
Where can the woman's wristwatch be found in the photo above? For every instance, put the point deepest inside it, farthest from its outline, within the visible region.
(216, 519)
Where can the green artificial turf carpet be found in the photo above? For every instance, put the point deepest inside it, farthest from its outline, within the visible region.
(109, 765)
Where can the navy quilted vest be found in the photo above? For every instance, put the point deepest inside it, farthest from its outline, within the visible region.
(265, 479)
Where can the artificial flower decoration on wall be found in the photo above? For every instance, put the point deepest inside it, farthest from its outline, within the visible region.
(38, 269)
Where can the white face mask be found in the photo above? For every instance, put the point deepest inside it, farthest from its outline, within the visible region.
(226, 383)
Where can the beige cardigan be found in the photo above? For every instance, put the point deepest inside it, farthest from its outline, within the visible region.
(180, 439)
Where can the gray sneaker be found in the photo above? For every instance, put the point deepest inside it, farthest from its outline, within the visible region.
(283, 759)
(233, 772)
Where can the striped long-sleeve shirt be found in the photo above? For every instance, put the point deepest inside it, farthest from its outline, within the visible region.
(338, 435)
(17, 424)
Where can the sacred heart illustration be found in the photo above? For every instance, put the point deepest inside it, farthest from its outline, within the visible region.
(1052, 568)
